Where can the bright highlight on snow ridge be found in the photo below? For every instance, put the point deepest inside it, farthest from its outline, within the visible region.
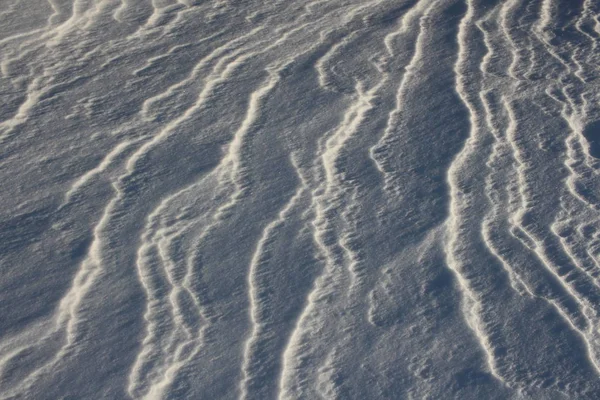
(384, 199)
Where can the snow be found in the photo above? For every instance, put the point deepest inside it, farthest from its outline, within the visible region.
(342, 199)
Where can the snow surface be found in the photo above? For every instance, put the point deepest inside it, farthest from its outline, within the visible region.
(280, 199)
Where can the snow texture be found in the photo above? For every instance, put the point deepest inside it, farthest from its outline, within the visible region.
(280, 199)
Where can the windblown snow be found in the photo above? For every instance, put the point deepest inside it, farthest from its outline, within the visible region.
(326, 199)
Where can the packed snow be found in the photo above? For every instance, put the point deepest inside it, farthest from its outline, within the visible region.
(280, 199)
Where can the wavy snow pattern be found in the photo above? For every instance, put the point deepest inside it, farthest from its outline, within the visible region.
(372, 199)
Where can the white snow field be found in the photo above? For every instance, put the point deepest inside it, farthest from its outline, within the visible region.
(290, 199)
